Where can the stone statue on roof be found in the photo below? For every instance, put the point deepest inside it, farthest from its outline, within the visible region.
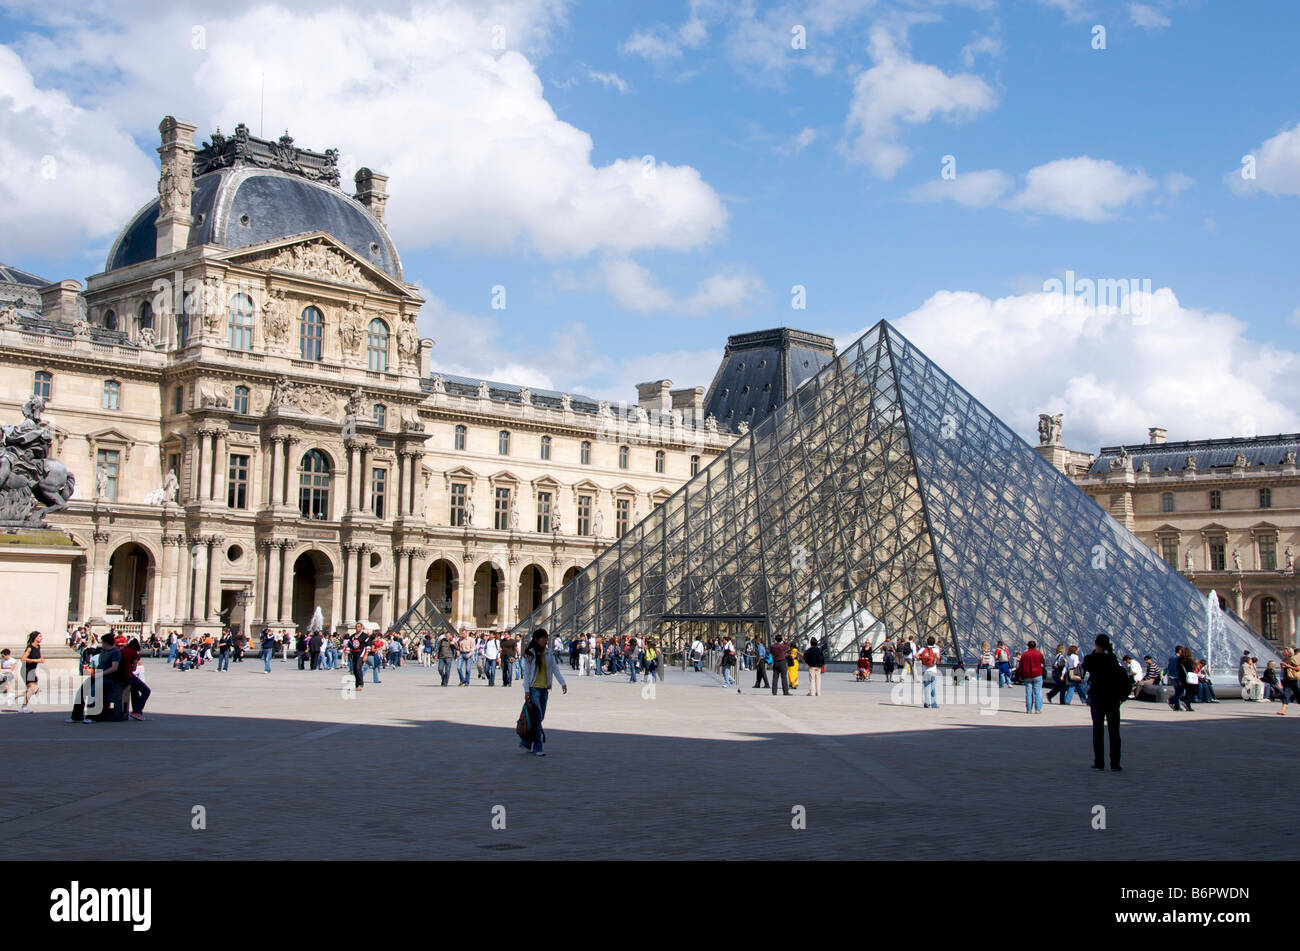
(525, 396)
(483, 392)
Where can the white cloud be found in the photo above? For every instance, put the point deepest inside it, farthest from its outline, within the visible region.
(983, 44)
(68, 175)
(1148, 17)
(1195, 373)
(1081, 188)
(898, 90)
(475, 154)
(634, 287)
(661, 43)
(798, 142)
(1175, 183)
(608, 80)
(1074, 10)
(973, 189)
(1276, 166)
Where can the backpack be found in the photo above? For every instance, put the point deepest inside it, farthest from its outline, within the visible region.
(929, 656)
(528, 724)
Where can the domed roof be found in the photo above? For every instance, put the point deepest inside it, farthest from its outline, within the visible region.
(246, 205)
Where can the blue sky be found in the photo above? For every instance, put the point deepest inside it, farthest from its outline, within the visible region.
(525, 167)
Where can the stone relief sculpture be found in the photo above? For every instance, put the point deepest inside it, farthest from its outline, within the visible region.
(275, 317)
(598, 527)
(469, 513)
(710, 423)
(566, 403)
(282, 393)
(514, 515)
(483, 392)
(317, 259)
(1236, 560)
(1290, 560)
(351, 328)
(408, 339)
(8, 317)
(1049, 429)
(101, 482)
(439, 384)
(743, 428)
(28, 476)
(525, 396)
(1187, 559)
(171, 485)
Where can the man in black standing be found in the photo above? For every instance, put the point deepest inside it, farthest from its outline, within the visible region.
(509, 651)
(359, 650)
(780, 652)
(1108, 687)
(313, 648)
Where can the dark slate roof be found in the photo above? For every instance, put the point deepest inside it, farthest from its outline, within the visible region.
(277, 205)
(549, 399)
(12, 275)
(761, 370)
(1209, 453)
(33, 321)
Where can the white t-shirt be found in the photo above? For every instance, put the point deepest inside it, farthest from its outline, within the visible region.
(8, 664)
(1135, 669)
(491, 650)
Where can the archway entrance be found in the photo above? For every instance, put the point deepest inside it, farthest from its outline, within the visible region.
(489, 584)
(441, 583)
(130, 573)
(532, 590)
(313, 586)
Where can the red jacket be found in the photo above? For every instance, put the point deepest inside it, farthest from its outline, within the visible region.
(1031, 664)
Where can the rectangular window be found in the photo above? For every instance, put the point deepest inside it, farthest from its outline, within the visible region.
(459, 495)
(1169, 551)
(543, 512)
(501, 509)
(1216, 555)
(1167, 502)
(108, 460)
(1266, 498)
(1216, 500)
(378, 486)
(622, 516)
(112, 394)
(237, 484)
(584, 515)
(1268, 554)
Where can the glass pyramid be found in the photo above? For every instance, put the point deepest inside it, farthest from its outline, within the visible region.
(883, 499)
(423, 618)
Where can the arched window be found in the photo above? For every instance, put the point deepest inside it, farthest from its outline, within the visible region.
(503, 443)
(112, 395)
(585, 453)
(460, 438)
(1268, 616)
(241, 399)
(110, 320)
(695, 466)
(311, 331)
(660, 460)
(42, 384)
(546, 447)
(241, 322)
(380, 414)
(624, 456)
(144, 316)
(377, 346)
(314, 486)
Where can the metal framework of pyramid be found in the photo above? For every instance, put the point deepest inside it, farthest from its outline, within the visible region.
(422, 618)
(882, 498)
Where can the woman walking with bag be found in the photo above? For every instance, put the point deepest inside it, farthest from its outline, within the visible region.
(1191, 680)
(541, 670)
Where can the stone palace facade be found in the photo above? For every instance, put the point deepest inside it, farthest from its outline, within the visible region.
(256, 429)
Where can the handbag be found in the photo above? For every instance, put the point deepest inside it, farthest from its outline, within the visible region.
(1193, 677)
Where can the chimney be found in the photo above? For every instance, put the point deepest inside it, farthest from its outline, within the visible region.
(690, 400)
(1156, 436)
(59, 301)
(175, 186)
(654, 397)
(372, 192)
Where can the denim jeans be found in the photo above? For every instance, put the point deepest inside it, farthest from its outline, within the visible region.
(223, 661)
(374, 667)
(1004, 674)
(506, 668)
(462, 668)
(171, 653)
(444, 669)
(266, 658)
(929, 694)
(490, 668)
(631, 669)
(538, 696)
(1034, 693)
(1070, 687)
(727, 679)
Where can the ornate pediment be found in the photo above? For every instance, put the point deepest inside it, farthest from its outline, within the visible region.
(319, 257)
(312, 399)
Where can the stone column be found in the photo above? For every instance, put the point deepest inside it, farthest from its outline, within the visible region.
(196, 467)
(348, 602)
(183, 572)
(274, 471)
(259, 581)
(216, 557)
(203, 456)
(354, 478)
(412, 593)
(401, 558)
(284, 603)
(506, 616)
(399, 480)
(363, 480)
(363, 586)
(98, 579)
(222, 469)
(417, 491)
(197, 575)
